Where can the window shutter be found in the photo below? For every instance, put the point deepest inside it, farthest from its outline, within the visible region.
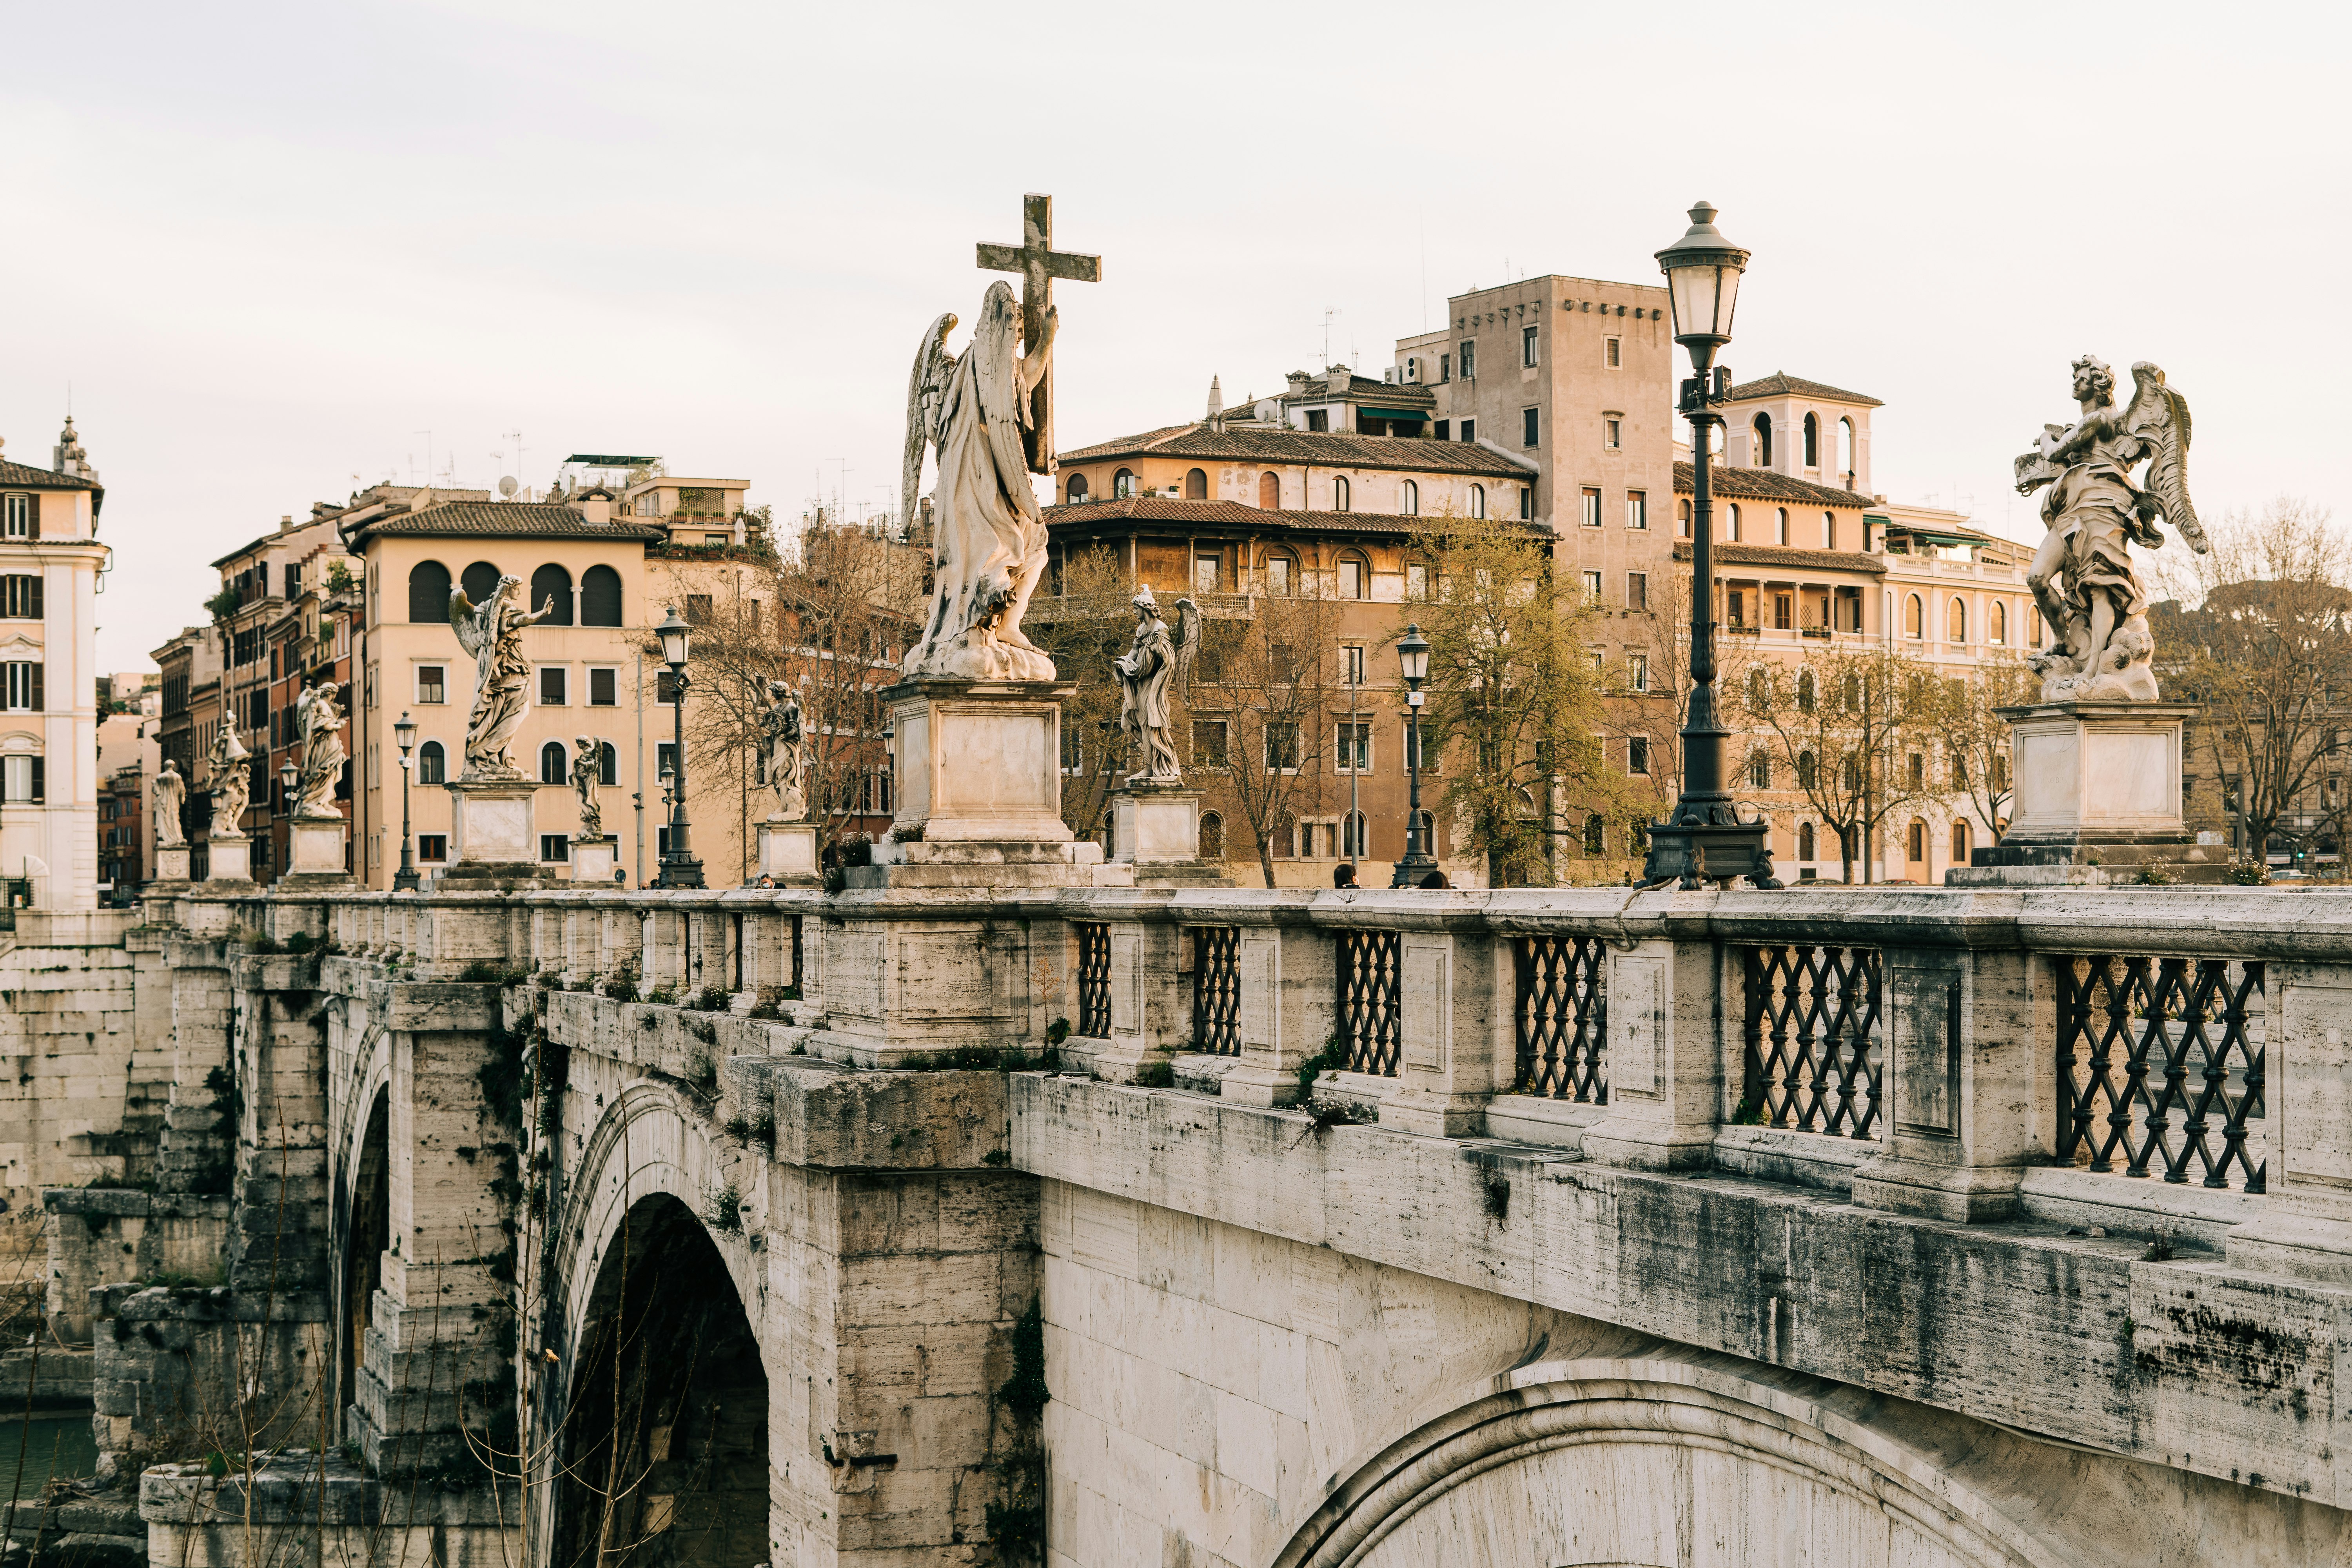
(33, 516)
(38, 706)
(33, 597)
(37, 781)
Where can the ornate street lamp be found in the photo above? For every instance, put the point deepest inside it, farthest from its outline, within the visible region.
(679, 868)
(1413, 663)
(1703, 840)
(288, 776)
(404, 732)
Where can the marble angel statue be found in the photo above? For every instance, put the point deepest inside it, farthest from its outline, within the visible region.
(491, 632)
(318, 724)
(2082, 576)
(1162, 656)
(171, 793)
(988, 547)
(587, 773)
(781, 735)
(230, 779)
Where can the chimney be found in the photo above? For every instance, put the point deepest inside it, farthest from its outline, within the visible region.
(1338, 377)
(597, 510)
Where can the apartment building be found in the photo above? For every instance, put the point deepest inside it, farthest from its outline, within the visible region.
(307, 645)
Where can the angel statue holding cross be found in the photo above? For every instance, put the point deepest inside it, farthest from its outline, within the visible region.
(2082, 576)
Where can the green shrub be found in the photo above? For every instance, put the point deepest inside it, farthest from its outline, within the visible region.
(725, 1213)
(1156, 1075)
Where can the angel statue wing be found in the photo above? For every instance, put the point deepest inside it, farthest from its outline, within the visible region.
(926, 384)
(461, 620)
(2159, 416)
(1185, 635)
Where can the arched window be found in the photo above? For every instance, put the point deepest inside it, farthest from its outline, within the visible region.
(1355, 577)
(1682, 518)
(1759, 687)
(1762, 457)
(1076, 491)
(1828, 531)
(1269, 492)
(1196, 485)
(1339, 492)
(554, 764)
(1780, 525)
(432, 763)
(1213, 835)
(1122, 484)
(1808, 771)
(1805, 841)
(1959, 841)
(1813, 442)
(1281, 573)
(480, 581)
(1805, 694)
(1911, 612)
(1478, 500)
(428, 593)
(600, 597)
(608, 764)
(1955, 622)
(1759, 771)
(552, 582)
(1731, 522)
(1916, 843)
(1845, 446)
(2033, 625)
(1352, 836)
(1408, 500)
(1596, 836)
(1997, 625)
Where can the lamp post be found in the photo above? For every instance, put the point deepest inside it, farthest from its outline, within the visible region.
(1703, 840)
(288, 776)
(1413, 663)
(679, 868)
(404, 732)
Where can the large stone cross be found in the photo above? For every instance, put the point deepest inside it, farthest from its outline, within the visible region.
(1039, 263)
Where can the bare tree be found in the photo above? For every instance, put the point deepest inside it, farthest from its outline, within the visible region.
(1662, 630)
(1085, 622)
(2258, 633)
(1855, 726)
(1976, 737)
(1262, 693)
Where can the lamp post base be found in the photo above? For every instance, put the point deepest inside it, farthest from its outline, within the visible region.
(1413, 872)
(1695, 853)
(678, 871)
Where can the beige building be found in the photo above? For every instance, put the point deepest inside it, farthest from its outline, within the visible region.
(50, 559)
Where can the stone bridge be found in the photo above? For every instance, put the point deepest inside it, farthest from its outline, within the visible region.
(1263, 1229)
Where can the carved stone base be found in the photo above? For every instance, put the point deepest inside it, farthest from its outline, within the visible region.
(1155, 824)
(592, 861)
(229, 859)
(315, 852)
(491, 832)
(171, 865)
(788, 852)
(978, 759)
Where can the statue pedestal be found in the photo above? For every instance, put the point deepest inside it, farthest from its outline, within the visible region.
(229, 858)
(2096, 798)
(592, 861)
(490, 831)
(170, 865)
(315, 852)
(788, 852)
(1154, 824)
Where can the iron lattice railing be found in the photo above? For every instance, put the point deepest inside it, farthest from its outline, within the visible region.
(1563, 1017)
(1094, 979)
(1815, 1063)
(1217, 990)
(1367, 1000)
(2147, 1039)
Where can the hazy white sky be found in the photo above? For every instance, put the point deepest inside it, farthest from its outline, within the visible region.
(272, 246)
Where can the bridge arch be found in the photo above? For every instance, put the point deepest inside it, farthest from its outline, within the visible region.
(660, 1443)
(1659, 1463)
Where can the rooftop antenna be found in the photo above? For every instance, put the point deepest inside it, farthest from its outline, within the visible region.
(520, 467)
(428, 457)
(1329, 311)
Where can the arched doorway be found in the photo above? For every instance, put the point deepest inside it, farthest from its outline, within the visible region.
(664, 1443)
(366, 1234)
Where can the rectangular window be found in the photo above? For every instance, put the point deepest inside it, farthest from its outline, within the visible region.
(1208, 743)
(1527, 504)
(1469, 365)
(1735, 608)
(1593, 588)
(17, 512)
(1355, 747)
(1637, 672)
(1318, 419)
(1529, 424)
(602, 688)
(1783, 611)
(1527, 347)
(1352, 665)
(1637, 754)
(1444, 372)
(1445, 430)
(1612, 433)
(20, 688)
(1416, 580)
(431, 683)
(1469, 429)
(553, 685)
(1637, 509)
(433, 847)
(1204, 573)
(1610, 354)
(665, 687)
(1351, 579)
(1073, 750)
(1282, 746)
(555, 846)
(1637, 590)
(20, 780)
(1591, 517)
(20, 597)
(665, 758)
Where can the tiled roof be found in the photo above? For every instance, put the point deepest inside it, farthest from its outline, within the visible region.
(1764, 484)
(1411, 453)
(1365, 389)
(1227, 516)
(23, 476)
(1781, 383)
(1728, 554)
(503, 520)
